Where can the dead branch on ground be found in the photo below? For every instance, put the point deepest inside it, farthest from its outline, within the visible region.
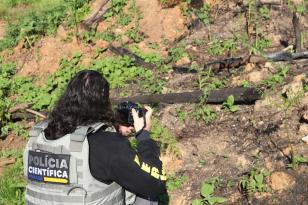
(96, 16)
(228, 63)
(242, 96)
(125, 52)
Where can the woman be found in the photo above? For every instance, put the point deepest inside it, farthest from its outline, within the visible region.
(103, 159)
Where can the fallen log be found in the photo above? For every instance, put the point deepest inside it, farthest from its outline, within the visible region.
(125, 52)
(228, 63)
(96, 16)
(241, 95)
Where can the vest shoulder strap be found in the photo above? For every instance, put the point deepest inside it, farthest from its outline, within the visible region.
(78, 136)
(38, 129)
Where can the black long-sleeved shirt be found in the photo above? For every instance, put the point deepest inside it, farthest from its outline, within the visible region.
(113, 159)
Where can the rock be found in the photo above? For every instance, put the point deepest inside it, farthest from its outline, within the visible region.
(242, 162)
(281, 181)
(183, 61)
(249, 67)
(305, 139)
(295, 87)
(303, 129)
(299, 78)
(258, 76)
(267, 104)
(269, 66)
(102, 44)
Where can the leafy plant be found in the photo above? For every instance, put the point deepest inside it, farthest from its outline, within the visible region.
(177, 53)
(277, 78)
(203, 13)
(134, 34)
(207, 191)
(107, 35)
(264, 12)
(115, 8)
(124, 19)
(229, 104)
(219, 47)
(259, 45)
(167, 142)
(149, 57)
(246, 84)
(181, 114)
(176, 181)
(205, 113)
(297, 160)
(254, 181)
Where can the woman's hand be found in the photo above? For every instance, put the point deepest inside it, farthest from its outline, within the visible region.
(140, 123)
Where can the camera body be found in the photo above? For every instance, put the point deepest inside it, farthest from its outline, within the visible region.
(124, 110)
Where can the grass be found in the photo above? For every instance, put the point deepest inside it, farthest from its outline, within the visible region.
(12, 183)
(40, 18)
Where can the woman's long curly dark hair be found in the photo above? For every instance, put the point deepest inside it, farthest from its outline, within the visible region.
(85, 101)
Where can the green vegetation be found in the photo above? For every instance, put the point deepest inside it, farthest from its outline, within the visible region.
(12, 183)
(181, 114)
(116, 8)
(207, 82)
(259, 45)
(167, 142)
(117, 70)
(207, 191)
(264, 12)
(254, 181)
(42, 18)
(176, 181)
(296, 161)
(277, 78)
(149, 57)
(219, 47)
(178, 52)
(229, 104)
(300, 8)
(205, 113)
(246, 84)
(203, 13)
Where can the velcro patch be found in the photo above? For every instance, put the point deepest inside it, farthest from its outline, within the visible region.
(46, 167)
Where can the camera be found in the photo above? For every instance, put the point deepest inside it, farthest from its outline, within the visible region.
(124, 111)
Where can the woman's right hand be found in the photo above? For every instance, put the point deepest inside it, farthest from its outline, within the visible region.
(139, 121)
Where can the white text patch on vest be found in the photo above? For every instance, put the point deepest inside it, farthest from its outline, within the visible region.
(48, 167)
